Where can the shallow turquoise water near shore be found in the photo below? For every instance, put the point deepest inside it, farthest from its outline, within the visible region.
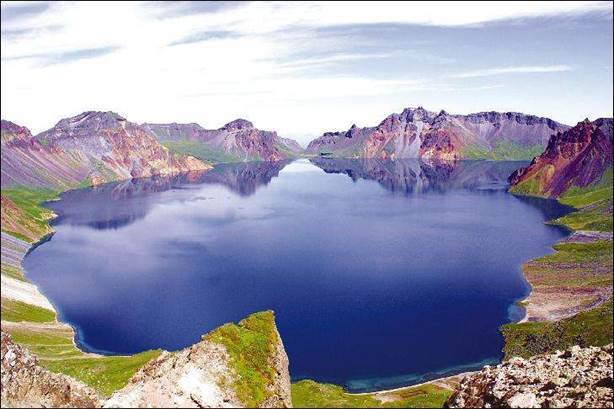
(381, 274)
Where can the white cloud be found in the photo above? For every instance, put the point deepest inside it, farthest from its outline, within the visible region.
(262, 68)
(523, 69)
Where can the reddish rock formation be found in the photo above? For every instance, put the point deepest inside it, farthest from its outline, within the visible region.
(115, 148)
(95, 147)
(576, 157)
(418, 133)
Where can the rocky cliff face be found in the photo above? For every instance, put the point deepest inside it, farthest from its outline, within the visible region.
(236, 365)
(242, 365)
(26, 384)
(113, 148)
(578, 377)
(238, 140)
(576, 157)
(418, 133)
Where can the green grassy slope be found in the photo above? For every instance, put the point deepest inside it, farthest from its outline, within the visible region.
(588, 328)
(250, 345)
(576, 266)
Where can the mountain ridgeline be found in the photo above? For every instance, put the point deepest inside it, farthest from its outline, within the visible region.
(96, 147)
(418, 133)
(237, 141)
(90, 148)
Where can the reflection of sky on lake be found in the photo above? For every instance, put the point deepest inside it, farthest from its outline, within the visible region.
(367, 279)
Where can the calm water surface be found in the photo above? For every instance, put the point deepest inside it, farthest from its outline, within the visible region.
(380, 273)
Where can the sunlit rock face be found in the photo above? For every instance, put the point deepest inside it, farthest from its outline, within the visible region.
(210, 373)
(418, 133)
(576, 378)
(27, 384)
(576, 157)
(92, 148)
(115, 148)
(27, 161)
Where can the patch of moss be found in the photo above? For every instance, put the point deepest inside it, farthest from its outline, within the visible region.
(17, 311)
(593, 327)
(310, 394)
(250, 344)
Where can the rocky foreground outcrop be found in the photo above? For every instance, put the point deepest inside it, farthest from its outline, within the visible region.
(577, 157)
(577, 377)
(236, 141)
(235, 365)
(418, 133)
(26, 384)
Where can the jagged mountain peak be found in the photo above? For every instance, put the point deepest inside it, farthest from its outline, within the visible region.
(411, 114)
(238, 124)
(88, 123)
(8, 126)
(13, 133)
(577, 157)
(419, 133)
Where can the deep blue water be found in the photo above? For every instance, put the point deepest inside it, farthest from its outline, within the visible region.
(380, 273)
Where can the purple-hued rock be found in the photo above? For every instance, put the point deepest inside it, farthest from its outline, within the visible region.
(576, 157)
(94, 147)
(418, 133)
(238, 140)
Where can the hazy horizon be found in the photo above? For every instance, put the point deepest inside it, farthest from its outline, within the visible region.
(303, 68)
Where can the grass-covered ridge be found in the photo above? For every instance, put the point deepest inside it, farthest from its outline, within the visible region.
(310, 394)
(583, 269)
(104, 374)
(594, 202)
(503, 150)
(588, 328)
(251, 345)
(17, 311)
(22, 213)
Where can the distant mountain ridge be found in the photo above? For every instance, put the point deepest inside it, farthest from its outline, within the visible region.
(418, 133)
(236, 141)
(92, 148)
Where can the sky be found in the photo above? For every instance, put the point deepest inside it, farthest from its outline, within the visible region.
(303, 68)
